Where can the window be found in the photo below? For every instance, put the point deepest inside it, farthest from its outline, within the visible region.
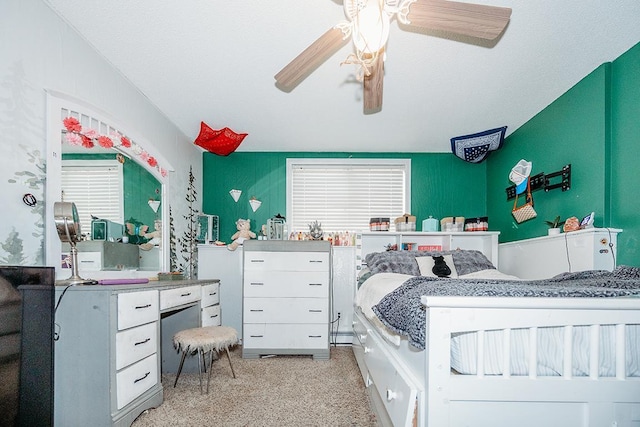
(96, 189)
(344, 194)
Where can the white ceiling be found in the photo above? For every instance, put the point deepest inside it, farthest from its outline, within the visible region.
(214, 61)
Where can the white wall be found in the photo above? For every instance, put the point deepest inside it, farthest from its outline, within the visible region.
(40, 52)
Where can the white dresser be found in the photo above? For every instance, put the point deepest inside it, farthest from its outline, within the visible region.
(113, 342)
(286, 306)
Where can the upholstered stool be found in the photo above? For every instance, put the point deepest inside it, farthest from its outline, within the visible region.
(205, 340)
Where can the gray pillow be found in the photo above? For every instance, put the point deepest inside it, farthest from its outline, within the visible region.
(404, 262)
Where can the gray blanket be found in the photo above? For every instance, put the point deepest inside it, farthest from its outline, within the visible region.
(402, 311)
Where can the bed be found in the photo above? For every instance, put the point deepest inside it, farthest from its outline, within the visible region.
(457, 351)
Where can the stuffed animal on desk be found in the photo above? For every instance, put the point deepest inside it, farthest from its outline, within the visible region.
(440, 267)
(244, 233)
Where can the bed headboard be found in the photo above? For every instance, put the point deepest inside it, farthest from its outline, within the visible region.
(377, 241)
(543, 257)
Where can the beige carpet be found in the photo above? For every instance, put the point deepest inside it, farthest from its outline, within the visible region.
(275, 391)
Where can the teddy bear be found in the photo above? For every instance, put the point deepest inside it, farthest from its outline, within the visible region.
(244, 233)
(155, 237)
(440, 267)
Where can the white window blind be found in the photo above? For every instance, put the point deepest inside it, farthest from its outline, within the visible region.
(344, 194)
(96, 189)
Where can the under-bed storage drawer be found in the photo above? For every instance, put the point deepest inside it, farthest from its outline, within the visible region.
(359, 340)
(397, 391)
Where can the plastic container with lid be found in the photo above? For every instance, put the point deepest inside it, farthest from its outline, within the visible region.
(430, 224)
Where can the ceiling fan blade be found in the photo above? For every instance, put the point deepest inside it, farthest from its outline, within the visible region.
(372, 86)
(486, 22)
(310, 58)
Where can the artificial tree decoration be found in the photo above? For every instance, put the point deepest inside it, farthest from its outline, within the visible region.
(189, 242)
(173, 255)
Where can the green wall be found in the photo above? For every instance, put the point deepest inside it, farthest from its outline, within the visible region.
(442, 185)
(623, 200)
(139, 187)
(594, 127)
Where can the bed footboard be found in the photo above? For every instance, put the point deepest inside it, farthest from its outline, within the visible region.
(599, 397)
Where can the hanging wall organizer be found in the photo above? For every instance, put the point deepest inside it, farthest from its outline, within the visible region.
(544, 181)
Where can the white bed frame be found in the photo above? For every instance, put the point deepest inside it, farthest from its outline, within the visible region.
(408, 387)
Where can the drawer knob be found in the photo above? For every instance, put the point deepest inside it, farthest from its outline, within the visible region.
(185, 295)
(256, 310)
(391, 395)
(363, 337)
(367, 350)
(139, 307)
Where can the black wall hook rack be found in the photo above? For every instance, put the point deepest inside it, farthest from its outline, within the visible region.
(543, 181)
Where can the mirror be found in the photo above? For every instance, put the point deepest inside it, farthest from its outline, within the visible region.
(111, 247)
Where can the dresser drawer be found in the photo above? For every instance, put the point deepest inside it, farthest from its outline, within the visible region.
(179, 296)
(135, 344)
(279, 336)
(286, 310)
(210, 295)
(286, 261)
(136, 379)
(137, 308)
(286, 284)
(211, 316)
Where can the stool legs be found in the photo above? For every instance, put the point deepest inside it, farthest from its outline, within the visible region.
(184, 354)
(229, 358)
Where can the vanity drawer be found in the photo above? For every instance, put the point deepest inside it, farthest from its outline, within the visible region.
(135, 344)
(137, 308)
(286, 284)
(179, 296)
(286, 310)
(136, 379)
(286, 261)
(210, 295)
(211, 316)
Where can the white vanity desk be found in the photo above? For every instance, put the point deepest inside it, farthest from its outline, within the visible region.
(113, 342)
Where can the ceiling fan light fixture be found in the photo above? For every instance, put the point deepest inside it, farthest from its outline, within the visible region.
(371, 28)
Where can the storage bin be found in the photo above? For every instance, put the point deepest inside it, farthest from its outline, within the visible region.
(379, 224)
(452, 223)
(480, 223)
(405, 222)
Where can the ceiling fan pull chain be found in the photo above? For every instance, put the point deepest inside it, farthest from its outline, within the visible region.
(362, 64)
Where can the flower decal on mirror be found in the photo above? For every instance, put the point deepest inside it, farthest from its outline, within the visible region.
(89, 138)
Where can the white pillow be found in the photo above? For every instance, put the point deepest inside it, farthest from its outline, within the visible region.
(426, 263)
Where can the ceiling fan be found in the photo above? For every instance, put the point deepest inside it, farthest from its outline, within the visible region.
(368, 26)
